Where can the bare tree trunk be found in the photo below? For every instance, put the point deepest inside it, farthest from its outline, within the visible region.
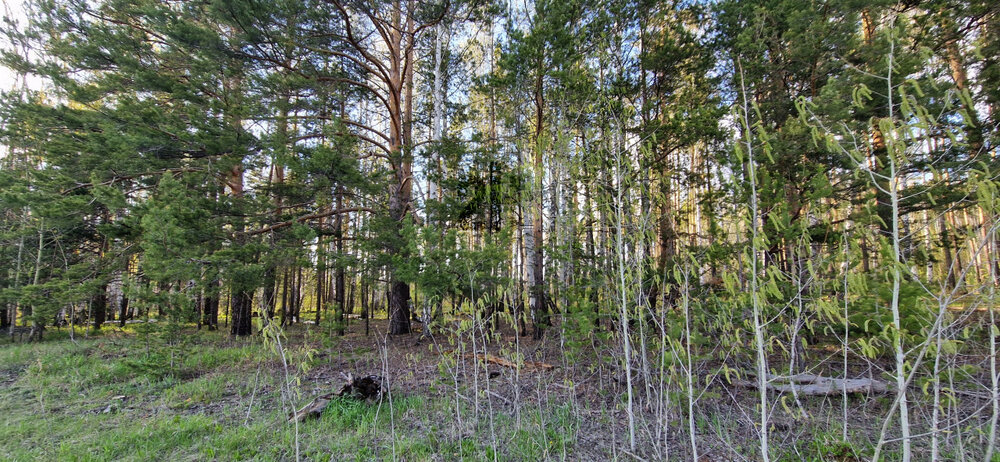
(17, 280)
(36, 327)
(958, 265)
(241, 304)
(210, 311)
(99, 302)
(525, 249)
(339, 235)
(994, 376)
(297, 303)
(349, 305)
(623, 302)
(946, 239)
(666, 237)
(401, 79)
(278, 178)
(366, 295)
(592, 271)
(973, 127)
(285, 298)
(538, 307)
(320, 278)
(241, 298)
(758, 318)
(892, 192)
(392, 65)
(4, 316)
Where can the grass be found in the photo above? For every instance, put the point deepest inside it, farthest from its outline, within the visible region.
(204, 396)
(198, 395)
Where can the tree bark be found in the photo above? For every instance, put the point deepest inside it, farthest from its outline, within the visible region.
(297, 301)
(538, 308)
(339, 235)
(210, 307)
(321, 262)
(241, 305)
(285, 299)
(123, 311)
(241, 298)
(956, 63)
(99, 304)
(391, 62)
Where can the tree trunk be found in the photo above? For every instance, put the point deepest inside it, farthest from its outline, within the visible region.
(538, 308)
(364, 303)
(973, 127)
(285, 298)
(950, 272)
(349, 306)
(123, 311)
(36, 326)
(321, 271)
(666, 236)
(99, 304)
(241, 305)
(241, 296)
(393, 66)
(278, 178)
(401, 72)
(339, 234)
(270, 291)
(320, 279)
(17, 280)
(5, 309)
(210, 311)
(297, 303)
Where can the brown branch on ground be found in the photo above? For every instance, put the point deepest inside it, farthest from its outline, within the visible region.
(528, 365)
(363, 388)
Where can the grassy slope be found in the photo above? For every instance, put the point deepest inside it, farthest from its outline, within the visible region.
(125, 397)
(198, 395)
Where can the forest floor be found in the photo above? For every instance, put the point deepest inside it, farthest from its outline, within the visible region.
(199, 395)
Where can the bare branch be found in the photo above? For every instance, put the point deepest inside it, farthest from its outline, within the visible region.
(303, 218)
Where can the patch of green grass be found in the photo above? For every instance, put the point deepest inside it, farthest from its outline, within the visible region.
(121, 396)
(203, 390)
(163, 438)
(827, 446)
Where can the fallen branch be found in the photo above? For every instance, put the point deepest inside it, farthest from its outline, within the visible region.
(368, 387)
(528, 365)
(312, 216)
(816, 385)
(313, 409)
(364, 388)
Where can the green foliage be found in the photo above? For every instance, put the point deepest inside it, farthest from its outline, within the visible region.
(188, 154)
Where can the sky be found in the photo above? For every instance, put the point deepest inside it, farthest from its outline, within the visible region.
(13, 10)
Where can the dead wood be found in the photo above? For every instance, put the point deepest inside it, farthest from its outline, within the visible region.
(363, 388)
(368, 387)
(313, 409)
(528, 365)
(817, 385)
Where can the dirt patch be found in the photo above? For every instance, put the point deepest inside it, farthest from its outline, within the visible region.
(9, 376)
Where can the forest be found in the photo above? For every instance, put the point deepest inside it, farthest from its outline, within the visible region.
(482, 230)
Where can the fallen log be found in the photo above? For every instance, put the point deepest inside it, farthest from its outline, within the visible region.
(817, 385)
(363, 388)
(368, 387)
(313, 409)
(528, 365)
